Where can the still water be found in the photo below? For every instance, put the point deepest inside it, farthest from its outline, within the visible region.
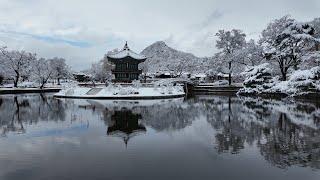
(205, 137)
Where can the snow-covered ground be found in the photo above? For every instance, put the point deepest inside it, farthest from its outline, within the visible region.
(259, 80)
(122, 92)
(32, 84)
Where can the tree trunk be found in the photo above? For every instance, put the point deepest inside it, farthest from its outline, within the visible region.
(17, 107)
(16, 80)
(43, 82)
(295, 66)
(59, 81)
(284, 75)
(229, 78)
(229, 108)
(42, 85)
(1, 79)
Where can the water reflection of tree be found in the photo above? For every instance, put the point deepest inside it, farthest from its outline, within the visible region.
(170, 117)
(289, 144)
(18, 111)
(226, 115)
(286, 133)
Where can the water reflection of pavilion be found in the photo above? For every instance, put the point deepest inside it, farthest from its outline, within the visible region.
(125, 124)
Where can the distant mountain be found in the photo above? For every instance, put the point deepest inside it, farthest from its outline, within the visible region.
(164, 58)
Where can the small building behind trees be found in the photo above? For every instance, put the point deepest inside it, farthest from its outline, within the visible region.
(126, 64)
(81, 77)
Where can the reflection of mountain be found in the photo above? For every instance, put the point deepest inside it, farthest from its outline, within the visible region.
(286, 133)
(125, 124)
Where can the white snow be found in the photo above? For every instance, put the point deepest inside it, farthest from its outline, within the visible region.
(257, 77)
(121, 91)
(298, 80)
(126, 52)
(163, 58)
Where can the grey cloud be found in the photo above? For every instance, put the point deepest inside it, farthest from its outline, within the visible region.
(216, 14)
(107, 24)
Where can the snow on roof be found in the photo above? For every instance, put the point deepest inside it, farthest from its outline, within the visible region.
(80, 74)
(126, 52)
(201, 75)
(223, 75)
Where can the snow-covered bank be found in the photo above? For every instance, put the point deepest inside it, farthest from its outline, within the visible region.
(300, 83)
(120, 92)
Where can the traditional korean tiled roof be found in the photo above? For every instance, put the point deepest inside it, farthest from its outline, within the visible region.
(126, 52)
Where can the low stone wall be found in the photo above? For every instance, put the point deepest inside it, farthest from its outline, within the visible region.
(216, 89)
(121, 98)
(28, 90)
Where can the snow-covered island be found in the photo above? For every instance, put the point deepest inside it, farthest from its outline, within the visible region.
(126, 83)
(122, 92)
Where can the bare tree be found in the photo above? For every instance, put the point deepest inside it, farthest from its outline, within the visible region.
(229, 42)
(60, 68)
(17, 62)
(251, 55)
(42, 71)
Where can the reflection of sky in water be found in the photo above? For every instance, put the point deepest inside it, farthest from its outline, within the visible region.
(201, 138)
(63, 131)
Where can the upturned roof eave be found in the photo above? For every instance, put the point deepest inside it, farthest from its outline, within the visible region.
(126, 57)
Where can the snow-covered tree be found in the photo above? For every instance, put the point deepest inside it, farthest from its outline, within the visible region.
(316, 25)
(300, 82)
(305, 80)
(2, 70)
(60, 68)
(16, 63)
(312, 57)
(252, 54)
(144, 67)
(180, 66)
(286, 41)
(101, 71)
(42, 71)
(229, 42)
(256, 78)
(97, 72)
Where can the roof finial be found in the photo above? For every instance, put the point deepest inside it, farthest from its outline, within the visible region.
(126, 47)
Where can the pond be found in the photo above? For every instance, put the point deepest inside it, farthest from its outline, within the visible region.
(204, 137)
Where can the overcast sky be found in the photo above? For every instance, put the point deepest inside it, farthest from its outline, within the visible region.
(83, 31)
